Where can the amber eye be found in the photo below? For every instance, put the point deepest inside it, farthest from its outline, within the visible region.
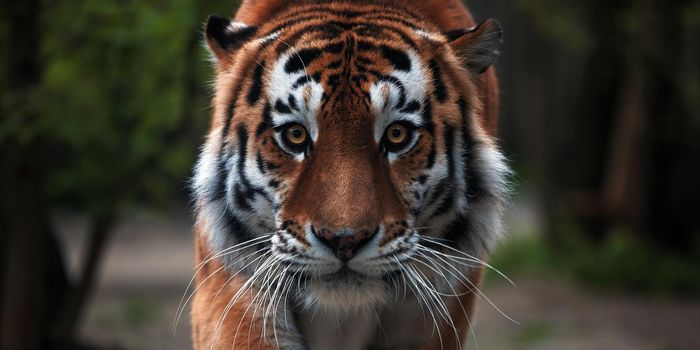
(396, 134)
(294, 138)
(296, 135)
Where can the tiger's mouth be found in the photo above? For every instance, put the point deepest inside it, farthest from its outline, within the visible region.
(344, 274)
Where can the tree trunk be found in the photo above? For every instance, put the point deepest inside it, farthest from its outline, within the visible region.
(100, 230)
(23, 211)
(33, 277)
(23, 299)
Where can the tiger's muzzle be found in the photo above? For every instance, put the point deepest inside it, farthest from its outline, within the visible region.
(344, 242)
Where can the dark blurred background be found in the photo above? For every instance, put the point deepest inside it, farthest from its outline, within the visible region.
(104, 103)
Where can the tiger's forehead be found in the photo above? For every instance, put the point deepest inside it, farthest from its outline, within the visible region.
(383, 79)
(301, 23)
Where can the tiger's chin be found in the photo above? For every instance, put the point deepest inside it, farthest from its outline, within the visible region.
(346, 290)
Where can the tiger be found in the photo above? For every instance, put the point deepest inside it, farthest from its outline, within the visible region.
(351, 186)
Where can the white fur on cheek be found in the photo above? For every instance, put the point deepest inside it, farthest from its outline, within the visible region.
(486, 212)
(205, 178)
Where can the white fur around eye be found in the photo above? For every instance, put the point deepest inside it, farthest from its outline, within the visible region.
(307, 96)
(385, 96)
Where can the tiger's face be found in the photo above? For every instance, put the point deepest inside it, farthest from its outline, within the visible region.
(341, 148)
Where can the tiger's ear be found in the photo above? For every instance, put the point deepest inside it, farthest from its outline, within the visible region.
(224, 36)
(479, 46)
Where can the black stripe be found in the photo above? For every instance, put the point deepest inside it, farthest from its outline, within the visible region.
(411, 107)
(334, 48)
(301, 59)
(242, 190)
(243, 197)
(431, 156)
(218, 28)
(428, 117)
(256, 85)
(266, 121)
(281, 107)
(449, 136)
(469, 147)
(327, 30)
(365, 46)
(222, 175)
(448, 200)
(446, 205)
(242, 152)
(398, 58)
(457, 230)
(438, 83)
(292, 102)
(333, 81)
(242, 133)
(335, 64)
(314, 27)
(429, 126)
(228, 119)
(260, 163)
(324, 12)
(301, 81)
(397, 84)
(236, 227)
(261, 129)
(246, 192)
(439, 190)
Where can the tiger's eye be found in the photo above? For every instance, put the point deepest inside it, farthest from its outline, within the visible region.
(396, 134)
(296, 134)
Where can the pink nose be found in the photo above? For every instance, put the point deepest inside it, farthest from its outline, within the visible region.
(344, 242)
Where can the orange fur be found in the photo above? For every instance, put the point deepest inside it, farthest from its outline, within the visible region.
(445, 14)
(241, 327)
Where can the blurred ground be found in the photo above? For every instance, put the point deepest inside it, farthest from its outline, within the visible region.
(149, 264)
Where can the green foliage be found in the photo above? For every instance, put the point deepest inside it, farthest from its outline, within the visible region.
(524, 254)
(140, 311)
(113, 86)
(122, 103)
(621, 262)
(534, 333)
(626, 262)
(560, 21)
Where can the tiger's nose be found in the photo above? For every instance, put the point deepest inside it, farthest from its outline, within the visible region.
(344, 242)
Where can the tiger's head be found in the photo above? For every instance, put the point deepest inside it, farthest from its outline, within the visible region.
(344, 147)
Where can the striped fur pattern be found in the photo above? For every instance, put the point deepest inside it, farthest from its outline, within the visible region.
(347, 78)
